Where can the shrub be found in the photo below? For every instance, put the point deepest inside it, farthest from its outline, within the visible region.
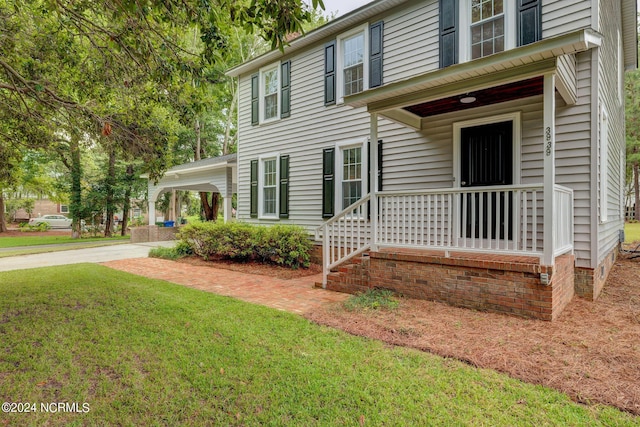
(281, 244)
(284, 245)
(43, 226)
(164, 253)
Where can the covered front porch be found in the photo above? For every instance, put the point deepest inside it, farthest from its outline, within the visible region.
(493, 218)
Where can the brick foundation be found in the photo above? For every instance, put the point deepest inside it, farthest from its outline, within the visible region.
(502, 284)
(153, 233)
(589, 281)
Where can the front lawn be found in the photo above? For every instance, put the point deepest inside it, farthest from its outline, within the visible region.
(632, 232)
(147, 352)
(26, 240)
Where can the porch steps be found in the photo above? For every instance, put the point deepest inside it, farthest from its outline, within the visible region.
(352, 276)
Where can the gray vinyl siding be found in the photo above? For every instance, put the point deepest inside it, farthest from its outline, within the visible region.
(610, 23)
(411, 41)
(573, 157)
(563, 16)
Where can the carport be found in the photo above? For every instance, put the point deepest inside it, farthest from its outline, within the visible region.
(215, 174)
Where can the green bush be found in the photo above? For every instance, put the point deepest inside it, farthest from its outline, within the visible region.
(164, 253)
(43, 226)
(284, 245)
(281, 244)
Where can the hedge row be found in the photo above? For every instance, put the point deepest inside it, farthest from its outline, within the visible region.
(279, 244)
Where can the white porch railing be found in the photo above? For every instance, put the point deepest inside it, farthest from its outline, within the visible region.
(499, 219)
(562, 220)
(346, 235)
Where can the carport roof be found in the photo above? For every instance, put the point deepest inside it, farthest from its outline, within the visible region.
(204, 164)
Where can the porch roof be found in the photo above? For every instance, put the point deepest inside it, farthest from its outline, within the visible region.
(522, 63)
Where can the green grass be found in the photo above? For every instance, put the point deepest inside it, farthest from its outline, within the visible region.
(632, 232)
(26, 240)
(147, 352)
(372, 299)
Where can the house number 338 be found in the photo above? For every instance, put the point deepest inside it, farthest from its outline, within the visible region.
(547, 138)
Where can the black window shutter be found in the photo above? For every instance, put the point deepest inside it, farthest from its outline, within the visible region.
(255, 99)
(379, 165)
(330, 73)
(375, 57)
(448, 32)
(328, 184)
(285, 89)
(284, 186)
(529, 21)
(254, 189)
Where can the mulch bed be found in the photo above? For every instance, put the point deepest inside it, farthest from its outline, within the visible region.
(252, 267)
(592, 352)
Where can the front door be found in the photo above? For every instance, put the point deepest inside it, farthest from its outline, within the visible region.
(486, 160)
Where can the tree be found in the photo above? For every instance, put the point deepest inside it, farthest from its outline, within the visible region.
(77, 68)
(632, 86)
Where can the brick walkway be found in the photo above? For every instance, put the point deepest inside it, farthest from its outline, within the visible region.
(295, 295)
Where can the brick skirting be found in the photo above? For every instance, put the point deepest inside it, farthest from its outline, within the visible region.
(497, 283)
(589, 281)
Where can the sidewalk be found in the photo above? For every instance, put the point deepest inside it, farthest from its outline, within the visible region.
(295, 295)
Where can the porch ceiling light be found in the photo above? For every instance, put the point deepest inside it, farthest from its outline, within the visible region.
(468, 99)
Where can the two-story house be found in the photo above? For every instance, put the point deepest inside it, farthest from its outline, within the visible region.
(495, 130)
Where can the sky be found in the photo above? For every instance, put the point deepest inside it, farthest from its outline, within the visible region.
(343, 6)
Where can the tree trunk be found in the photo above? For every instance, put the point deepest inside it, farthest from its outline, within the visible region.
(226, 145)
(111, 181)
(215, 206)
(127, 201)
(206, 207)
(75, 207)
(3, 223)
(636, 188)
(198, 141)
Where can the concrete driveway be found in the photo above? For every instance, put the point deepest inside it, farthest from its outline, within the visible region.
(76, 256)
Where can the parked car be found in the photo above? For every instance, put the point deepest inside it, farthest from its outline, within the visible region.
(54, 221)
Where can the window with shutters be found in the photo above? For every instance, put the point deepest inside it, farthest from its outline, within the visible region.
(352, 62)
(269, 93)
(268, 186)
(351, 175)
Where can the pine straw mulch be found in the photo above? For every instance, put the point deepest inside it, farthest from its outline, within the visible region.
(592, 352)
(252, 267)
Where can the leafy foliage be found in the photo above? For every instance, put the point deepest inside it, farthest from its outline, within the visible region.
(282, 245)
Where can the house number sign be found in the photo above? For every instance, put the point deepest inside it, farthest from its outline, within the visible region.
(547, 138)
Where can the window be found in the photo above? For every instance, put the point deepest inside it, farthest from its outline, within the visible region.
(353, 63)
(269, 187)
(351, 175)
(64, 208)
(487, 27)
(269, 88)
(353, 67)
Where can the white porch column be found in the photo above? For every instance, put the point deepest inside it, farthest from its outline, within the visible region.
(549, 138)
(152, 213)
(373, 149)
(228, 195)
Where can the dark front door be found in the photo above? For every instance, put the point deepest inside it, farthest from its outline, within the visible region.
(487, 160)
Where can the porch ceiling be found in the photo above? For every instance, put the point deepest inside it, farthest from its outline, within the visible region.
(496, 78)
(494, 95)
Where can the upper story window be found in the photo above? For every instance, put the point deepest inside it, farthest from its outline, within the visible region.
(472, 29)
(353, 63)
(271, 93)
(487, 27)
(269, 107)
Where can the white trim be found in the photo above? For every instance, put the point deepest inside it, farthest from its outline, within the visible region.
(464, 42)
(261, 159)
(604, 164)
(340, 146)
(364, 29)
(515, 117)
(261, 94)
